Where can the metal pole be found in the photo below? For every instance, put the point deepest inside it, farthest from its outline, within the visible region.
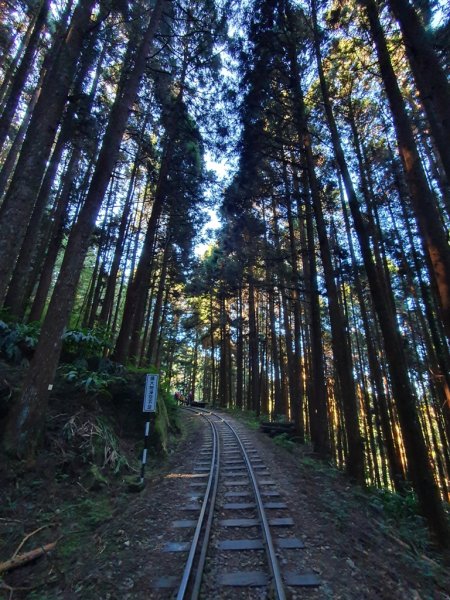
(144, 452)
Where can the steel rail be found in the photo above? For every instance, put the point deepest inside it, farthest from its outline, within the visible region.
(270, 549)
(209, 498)
(273, 561)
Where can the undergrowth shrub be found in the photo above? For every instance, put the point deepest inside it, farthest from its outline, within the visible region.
(18, 341)
(89, 381)
(85, 343)
(402, 511)
(94, 439)
(284, 441)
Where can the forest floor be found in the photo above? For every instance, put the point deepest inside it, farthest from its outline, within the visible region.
(109, 540)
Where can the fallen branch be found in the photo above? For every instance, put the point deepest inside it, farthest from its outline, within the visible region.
(26, 557)
(410, 546)
(8, 520)
(27, 537)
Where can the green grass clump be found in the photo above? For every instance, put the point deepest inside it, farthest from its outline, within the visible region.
(85, 516)
(284, 441)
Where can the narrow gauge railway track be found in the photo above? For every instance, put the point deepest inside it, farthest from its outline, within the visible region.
(236, 483)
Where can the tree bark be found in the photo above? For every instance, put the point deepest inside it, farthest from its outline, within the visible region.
(423, 202)
(19, 289)
(416, 450)
(21, 74)
(20, 198)
(152, 343)
(318, 398)
(341, 348)
(430, 78)
(26, 423)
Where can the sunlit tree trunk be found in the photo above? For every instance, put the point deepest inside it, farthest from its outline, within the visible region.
(423, 202)
(429, 76)
(317, 398)
(253, 346)
(239, 353)
(418, 462)
(341, 348)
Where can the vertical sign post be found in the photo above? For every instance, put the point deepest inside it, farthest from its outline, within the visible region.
(149, 406)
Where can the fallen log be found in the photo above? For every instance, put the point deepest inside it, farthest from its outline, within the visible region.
(274, 429)
(26, 557)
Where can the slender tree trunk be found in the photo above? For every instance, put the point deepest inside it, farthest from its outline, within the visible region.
(423, 202)
(138, 288)
(239, 354)
(278, 404)
(253, 346)
(20, 198)
(133, 313)
(114, 269)
(11, 158)
(213, 351)
(416, 450)
(429, 76)
(27, 420)
(11, 69)
(341, 348)
(17, 296)
(56, 238)
(299, 400)
(22, 73)
(318, 393)
(156, 321)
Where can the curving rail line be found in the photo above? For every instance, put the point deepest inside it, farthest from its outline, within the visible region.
(244, 475)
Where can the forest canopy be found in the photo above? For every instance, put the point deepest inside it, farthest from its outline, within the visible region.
(324, 296)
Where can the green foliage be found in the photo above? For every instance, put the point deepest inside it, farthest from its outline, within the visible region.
(320, 466)
(131, 368)
(18, 340)
(402, 512)
(394, 505)
(87, 514)
(85, 343)
(284, 441)
(247, 416)
(172, 409)
(89, 381)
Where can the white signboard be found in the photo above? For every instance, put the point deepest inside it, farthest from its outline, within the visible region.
(151, 393)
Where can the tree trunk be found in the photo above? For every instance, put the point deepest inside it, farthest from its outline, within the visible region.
(341, 348)
(20, 198)
(429, 76)
(18, 291)
(152, 343)
(56, 235)
(27, 420)
(416, 450)
(317, 399)
(10, 69)
(134, 303)
(423, 202)
(108, 299)
(239, 354)
(253, 346)
(22, 73)
(13, 152)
